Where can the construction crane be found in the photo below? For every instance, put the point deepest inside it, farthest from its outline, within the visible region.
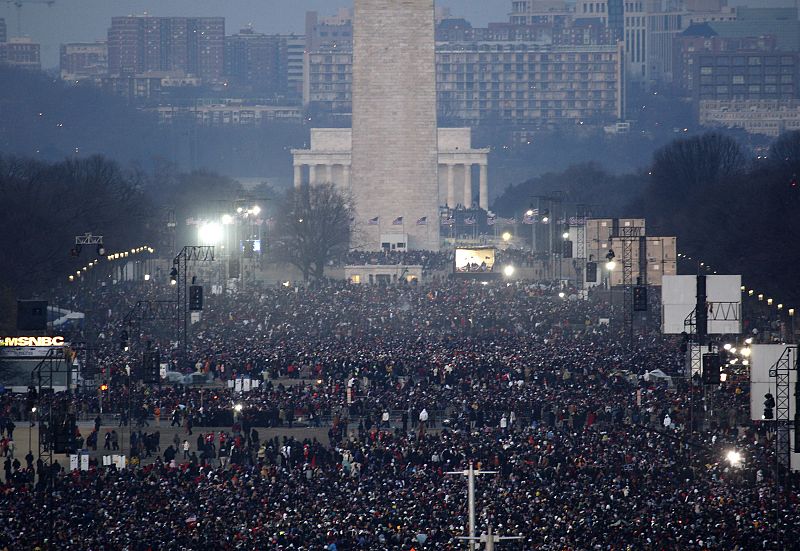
(20, 3)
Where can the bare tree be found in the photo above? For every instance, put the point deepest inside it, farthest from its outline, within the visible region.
(686, 165)
(785, 152)
(313, 225)
(682, 175)
(47, 205)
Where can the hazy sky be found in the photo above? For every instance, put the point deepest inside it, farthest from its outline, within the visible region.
(88, 20)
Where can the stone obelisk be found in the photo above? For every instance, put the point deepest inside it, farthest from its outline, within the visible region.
(394, 159)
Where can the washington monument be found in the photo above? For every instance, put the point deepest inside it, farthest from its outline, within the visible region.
(394, 156)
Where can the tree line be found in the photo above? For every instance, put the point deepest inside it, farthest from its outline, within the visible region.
(735, 212)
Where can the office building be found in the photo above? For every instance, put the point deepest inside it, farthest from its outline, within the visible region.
(83, 60)
(520, 82)
(745, 76)
(765, 117)
(537, 12)
(188, 45)
(21, 52)
(333, 32)
(254, 61)
(702, 39)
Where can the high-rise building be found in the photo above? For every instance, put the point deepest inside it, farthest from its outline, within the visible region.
(394, 143)
(647, 28)
(79, 61)
(126, 46)
(742, 75)
(206, 47)
(188, 45)
(271, 65)
(253, 60)
(295, 46)
(702, 39)
(523, 81)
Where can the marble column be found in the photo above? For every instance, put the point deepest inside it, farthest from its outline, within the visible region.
(451, 187)
(313, 174)
(298, 176)
(346, 176)
(484, 186)
(328, 173)
(468, 185)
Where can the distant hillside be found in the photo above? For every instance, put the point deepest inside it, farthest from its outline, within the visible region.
(47, 119)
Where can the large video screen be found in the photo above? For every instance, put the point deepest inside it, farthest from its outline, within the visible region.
(474, 260)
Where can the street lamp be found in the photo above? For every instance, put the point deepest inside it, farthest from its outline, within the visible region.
(508, 271)
(30, 432)
(506, 236)
(610, 263)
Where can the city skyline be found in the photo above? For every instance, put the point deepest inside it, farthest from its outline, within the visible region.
(65, 21)
(88, 20)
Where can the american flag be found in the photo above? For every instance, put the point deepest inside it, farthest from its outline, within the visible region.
(422, 221)
(528, 219)
(470, 221)
(448, 222)
(374, 221)
(490, 220)
(398, 221)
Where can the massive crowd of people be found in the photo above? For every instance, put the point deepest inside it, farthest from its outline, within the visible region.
(429, 260)
(410, 382)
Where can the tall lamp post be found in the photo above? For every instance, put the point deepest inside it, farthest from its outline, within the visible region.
(531, 215)
(30, 430)
(610, 265)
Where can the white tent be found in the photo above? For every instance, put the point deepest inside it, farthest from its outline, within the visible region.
(657, 375)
